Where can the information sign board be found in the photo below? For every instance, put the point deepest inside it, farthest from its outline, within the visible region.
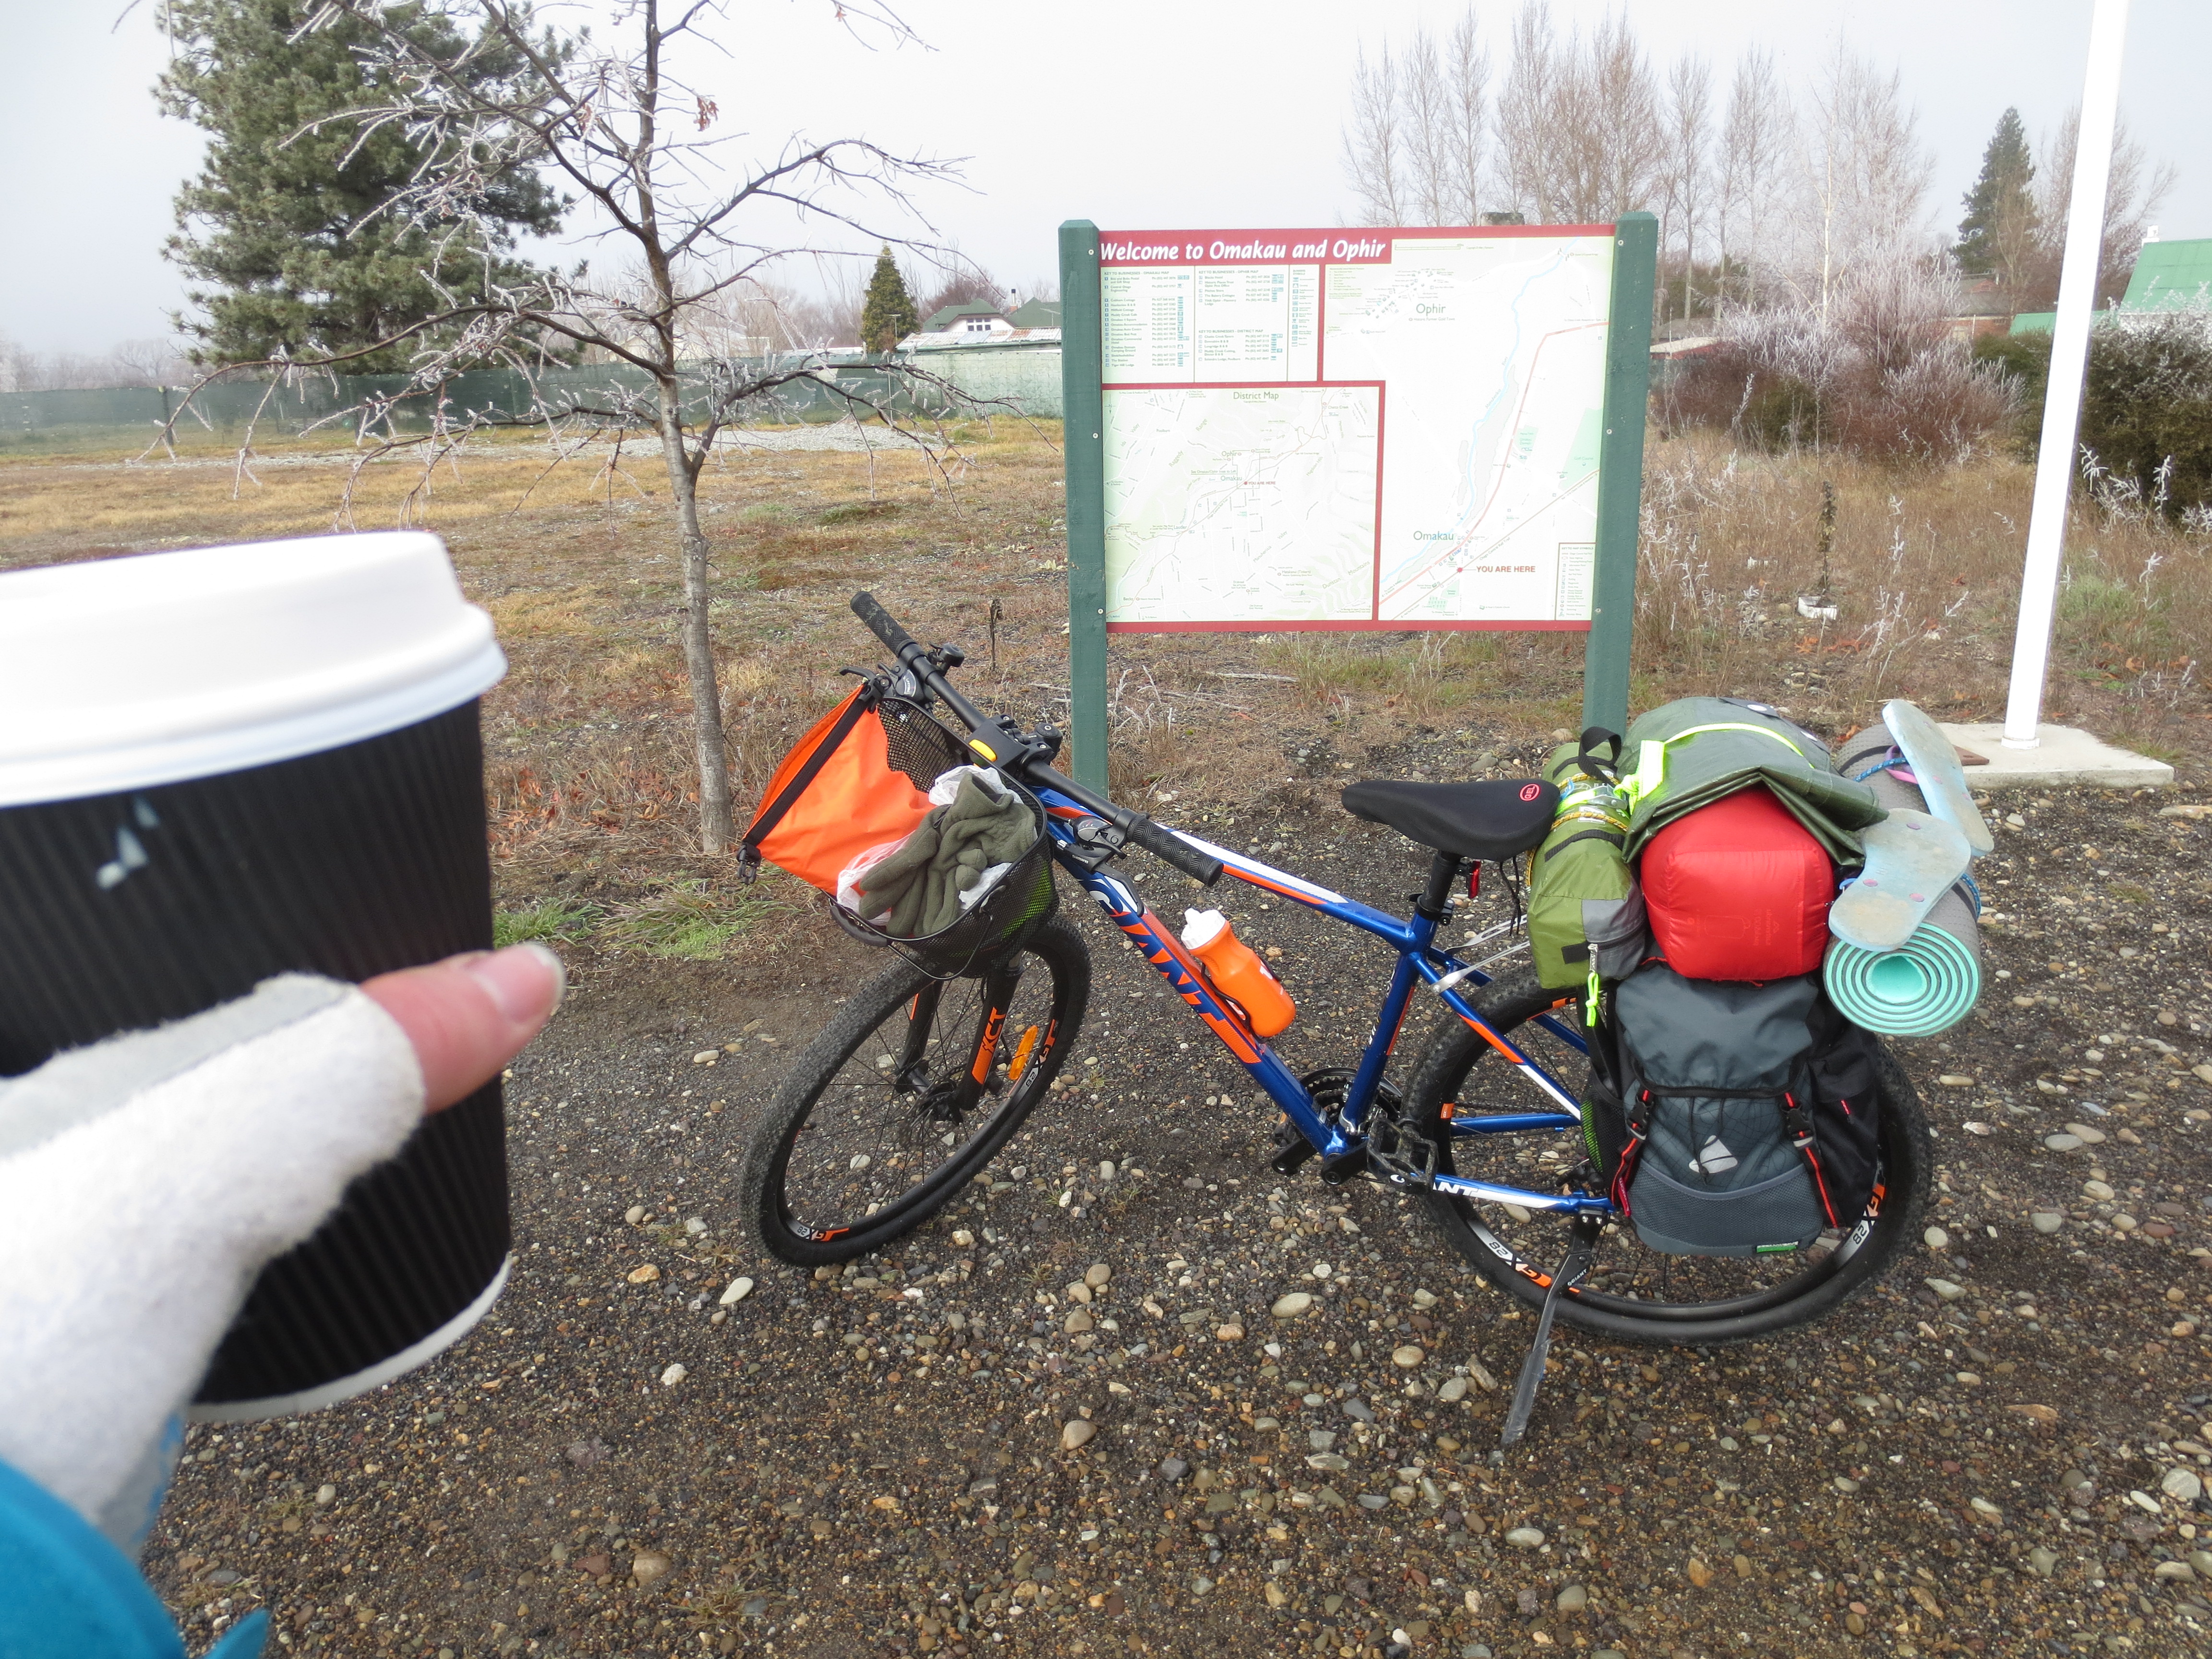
(1377, 428)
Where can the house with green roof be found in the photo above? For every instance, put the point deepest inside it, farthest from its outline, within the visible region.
(2167, 276)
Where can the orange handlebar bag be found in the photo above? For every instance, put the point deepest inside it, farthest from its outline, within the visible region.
(835, 796)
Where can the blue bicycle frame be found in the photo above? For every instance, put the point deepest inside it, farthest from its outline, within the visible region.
(1418, 959)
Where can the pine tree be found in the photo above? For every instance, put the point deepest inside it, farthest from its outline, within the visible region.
(279, 222)
(888, 313)
(1998, 233)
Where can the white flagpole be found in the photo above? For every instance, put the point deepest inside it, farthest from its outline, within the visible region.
(2070, 354)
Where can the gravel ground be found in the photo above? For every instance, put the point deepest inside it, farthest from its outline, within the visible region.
(929, 1454)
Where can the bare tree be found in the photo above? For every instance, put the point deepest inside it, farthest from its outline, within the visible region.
(1689, 110)
(1864, 176)
(1413, 149)
(1371, 160)
(1622, 128)
(1579, 130)
(1537, 76)
(2136, 187)
(1754, 144)
(616, 120)
(1426, 140)
(1467, 109)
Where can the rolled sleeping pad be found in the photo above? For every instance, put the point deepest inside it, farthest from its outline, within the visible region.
(1934, 982)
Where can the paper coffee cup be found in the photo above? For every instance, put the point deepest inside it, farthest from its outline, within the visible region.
(225, 763)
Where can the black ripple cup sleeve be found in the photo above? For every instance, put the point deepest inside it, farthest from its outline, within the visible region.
(350, 843)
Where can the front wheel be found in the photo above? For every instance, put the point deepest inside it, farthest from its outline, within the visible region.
(1632, 1292)
(912, 1088)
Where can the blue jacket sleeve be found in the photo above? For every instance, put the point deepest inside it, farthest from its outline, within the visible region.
(67, 1592)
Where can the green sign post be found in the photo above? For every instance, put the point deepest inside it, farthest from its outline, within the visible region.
(1083, 412)
(1619, 474)
(1257, 375)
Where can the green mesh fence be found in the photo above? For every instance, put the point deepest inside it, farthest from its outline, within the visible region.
(1026, 381)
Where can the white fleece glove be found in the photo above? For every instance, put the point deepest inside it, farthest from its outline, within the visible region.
(144, 1181)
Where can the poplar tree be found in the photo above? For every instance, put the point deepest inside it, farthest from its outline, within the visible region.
(287, 225)
(888, 313)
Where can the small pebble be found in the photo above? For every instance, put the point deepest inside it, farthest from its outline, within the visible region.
(1944, 1288)
(644, 1275)
(1407, 1357)
(1077, 1431)
(634, 1214)
(1229, 1331)
(672, 1375)
(1097, 1273)
(1526, 1538)
(326, 1494)
(2042, 1561)
(738, 1290)
(1954, 1080)
(2062, 1143)
(647, 1566)
(1455, 1388)
(1573, 1599)
(2085, 1135)
(1987, 1510)
(1845, 1483)
(2047, 1221)
(2184, 1486)
(1936, 1239)
(1173, 1469)
(2101, 1191)
(1290, 1306)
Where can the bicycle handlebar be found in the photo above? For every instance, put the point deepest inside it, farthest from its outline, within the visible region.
(1136, 829)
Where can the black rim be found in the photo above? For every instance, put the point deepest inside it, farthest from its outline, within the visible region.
(903, 1119)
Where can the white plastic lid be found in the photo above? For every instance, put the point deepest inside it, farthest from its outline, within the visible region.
(120, 673)
(1201, 927)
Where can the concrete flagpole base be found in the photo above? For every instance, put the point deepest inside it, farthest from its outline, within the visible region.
(2062, 756)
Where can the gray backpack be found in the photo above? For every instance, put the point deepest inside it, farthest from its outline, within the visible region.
(1750, 1112)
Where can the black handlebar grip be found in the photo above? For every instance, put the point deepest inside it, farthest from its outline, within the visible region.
(1171, 849)
(880, 623)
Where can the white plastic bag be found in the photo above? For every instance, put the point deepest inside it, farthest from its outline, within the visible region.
(848, 879)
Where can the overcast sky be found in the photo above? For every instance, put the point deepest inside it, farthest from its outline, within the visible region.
(1143, 114)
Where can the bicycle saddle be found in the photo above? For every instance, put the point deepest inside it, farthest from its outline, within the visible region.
(1493, 820)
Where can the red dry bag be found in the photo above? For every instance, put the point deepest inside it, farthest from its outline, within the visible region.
(1739, 889)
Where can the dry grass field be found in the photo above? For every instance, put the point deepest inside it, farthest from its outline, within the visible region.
(590, 770)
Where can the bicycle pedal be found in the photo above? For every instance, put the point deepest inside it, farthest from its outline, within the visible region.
(1292, 1150)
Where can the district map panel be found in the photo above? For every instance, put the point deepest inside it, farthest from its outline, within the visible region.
(1381, 428)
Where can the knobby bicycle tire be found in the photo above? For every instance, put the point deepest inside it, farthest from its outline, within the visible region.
(798, 1190)
(1518, 1260)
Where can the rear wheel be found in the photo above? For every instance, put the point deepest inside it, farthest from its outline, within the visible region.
(1631, 1291)
(912, 1088)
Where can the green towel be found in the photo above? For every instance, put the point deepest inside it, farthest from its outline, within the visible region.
(946, 855)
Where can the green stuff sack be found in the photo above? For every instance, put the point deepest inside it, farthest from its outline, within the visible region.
(1585, 915)
(1690, 752)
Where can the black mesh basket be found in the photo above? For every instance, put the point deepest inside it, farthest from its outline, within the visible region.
(1003, 920)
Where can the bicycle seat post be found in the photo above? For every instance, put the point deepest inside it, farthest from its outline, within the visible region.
(1434, 902)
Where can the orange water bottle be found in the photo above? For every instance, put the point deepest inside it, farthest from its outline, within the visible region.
(1236, 971)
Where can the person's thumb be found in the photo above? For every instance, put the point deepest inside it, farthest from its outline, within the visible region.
(469, 1015)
